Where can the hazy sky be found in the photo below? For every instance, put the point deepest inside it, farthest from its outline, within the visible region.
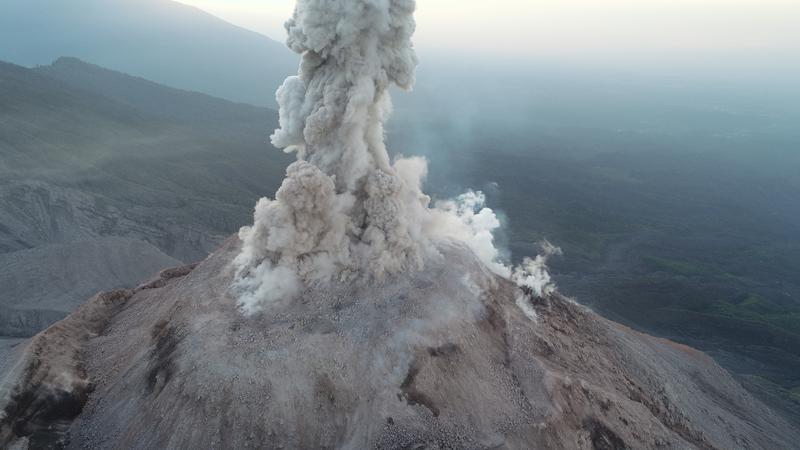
(565, 27)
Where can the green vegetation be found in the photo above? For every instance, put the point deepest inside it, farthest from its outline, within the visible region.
(684, 268)
(757, 308)
(795, 394)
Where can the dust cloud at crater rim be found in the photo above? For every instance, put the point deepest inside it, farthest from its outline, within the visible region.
(345, 211)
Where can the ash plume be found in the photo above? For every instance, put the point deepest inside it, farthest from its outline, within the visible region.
(345, 212)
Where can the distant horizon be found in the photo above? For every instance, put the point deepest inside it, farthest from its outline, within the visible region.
(737, 38)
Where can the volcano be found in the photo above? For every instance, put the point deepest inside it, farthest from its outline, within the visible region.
(450, 357)
(355, 313)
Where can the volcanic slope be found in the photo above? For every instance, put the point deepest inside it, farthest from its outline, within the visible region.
(106, 178)
(449, 357)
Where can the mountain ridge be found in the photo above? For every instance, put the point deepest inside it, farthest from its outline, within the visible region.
(146, 96)
(178, 44)
(115, 166)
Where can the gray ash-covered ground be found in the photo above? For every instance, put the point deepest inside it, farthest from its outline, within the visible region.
(442, 358)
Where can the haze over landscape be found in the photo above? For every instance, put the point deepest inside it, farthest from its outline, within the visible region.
(655, 143)
(753, 37)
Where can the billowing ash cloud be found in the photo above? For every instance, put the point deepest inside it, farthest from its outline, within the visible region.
(345, 212)
(533, 273)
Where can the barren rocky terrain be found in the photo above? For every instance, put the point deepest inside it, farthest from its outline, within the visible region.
(451, 357)
(106, 179)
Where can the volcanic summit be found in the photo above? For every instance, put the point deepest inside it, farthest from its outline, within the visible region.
(357, 313)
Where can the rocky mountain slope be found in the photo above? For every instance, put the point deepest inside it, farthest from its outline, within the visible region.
(106, 178)
(450, 357)
(77, 164)
(28, 305)
(159, 101)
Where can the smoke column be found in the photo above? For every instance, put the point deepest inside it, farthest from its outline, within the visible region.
(345, 212)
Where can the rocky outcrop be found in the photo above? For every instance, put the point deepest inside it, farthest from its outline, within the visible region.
(51, 385)
(451, 357)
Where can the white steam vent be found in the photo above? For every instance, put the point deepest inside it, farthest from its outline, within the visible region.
(345, 212)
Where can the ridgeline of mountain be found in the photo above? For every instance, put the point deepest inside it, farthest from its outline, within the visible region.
(77, 164)
(95, 162)
(174, 44)
(158, 101)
